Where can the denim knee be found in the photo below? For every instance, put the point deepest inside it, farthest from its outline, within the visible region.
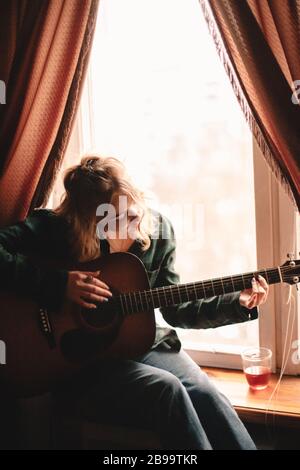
(199, 387)
(166, 384)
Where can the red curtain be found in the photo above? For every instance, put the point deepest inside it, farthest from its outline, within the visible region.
(258, 42)
(44, 50)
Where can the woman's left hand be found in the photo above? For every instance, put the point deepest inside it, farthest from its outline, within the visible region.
(255, 296)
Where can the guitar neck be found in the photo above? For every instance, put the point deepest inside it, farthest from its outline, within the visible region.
(179, 293)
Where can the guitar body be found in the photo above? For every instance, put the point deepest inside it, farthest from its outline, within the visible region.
(37, 360)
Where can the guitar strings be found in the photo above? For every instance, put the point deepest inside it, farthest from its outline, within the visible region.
(179, 288)
(218, 282)
(172, 294)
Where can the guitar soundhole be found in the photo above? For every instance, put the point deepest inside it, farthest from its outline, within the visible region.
(106, 314)
(81, 345)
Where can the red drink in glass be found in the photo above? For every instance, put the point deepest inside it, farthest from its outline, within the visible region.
(257, 366)
(258, 376)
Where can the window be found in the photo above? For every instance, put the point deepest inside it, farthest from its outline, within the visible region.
(157, 97)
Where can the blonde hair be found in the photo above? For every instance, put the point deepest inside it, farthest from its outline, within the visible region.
(87, 185)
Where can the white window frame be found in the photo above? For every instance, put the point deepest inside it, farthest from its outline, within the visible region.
(274, 214)
(277, 235)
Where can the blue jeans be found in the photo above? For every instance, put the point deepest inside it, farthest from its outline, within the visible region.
(166, 392)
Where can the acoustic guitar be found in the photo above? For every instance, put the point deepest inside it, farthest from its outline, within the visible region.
(44, 347)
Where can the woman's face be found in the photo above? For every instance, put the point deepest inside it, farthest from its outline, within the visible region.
(123, 218)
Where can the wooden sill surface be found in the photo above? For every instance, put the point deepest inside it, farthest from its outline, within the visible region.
(255, 406)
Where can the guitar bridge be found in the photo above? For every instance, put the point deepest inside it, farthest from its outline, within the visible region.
(46, 327)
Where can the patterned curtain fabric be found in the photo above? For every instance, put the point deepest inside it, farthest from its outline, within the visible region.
(258, 42)
(44, 50)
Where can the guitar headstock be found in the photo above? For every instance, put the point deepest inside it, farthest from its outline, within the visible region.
(290, 270)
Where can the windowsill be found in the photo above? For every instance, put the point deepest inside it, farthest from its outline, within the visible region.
(215, 348)
(255, 406)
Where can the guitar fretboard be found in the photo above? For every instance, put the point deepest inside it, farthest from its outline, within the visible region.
(136, 301)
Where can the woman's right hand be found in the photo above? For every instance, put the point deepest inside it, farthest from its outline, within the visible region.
(85, 288)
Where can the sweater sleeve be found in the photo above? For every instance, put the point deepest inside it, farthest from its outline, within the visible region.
(204, 313)
(19, 274)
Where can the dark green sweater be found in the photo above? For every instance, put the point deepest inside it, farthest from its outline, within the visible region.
(46, 235)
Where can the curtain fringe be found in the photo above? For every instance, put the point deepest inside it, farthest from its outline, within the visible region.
(240, 94)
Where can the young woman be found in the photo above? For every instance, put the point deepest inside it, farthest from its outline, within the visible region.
(163, 390)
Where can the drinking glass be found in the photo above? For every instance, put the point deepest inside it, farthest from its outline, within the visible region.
(257, 367)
